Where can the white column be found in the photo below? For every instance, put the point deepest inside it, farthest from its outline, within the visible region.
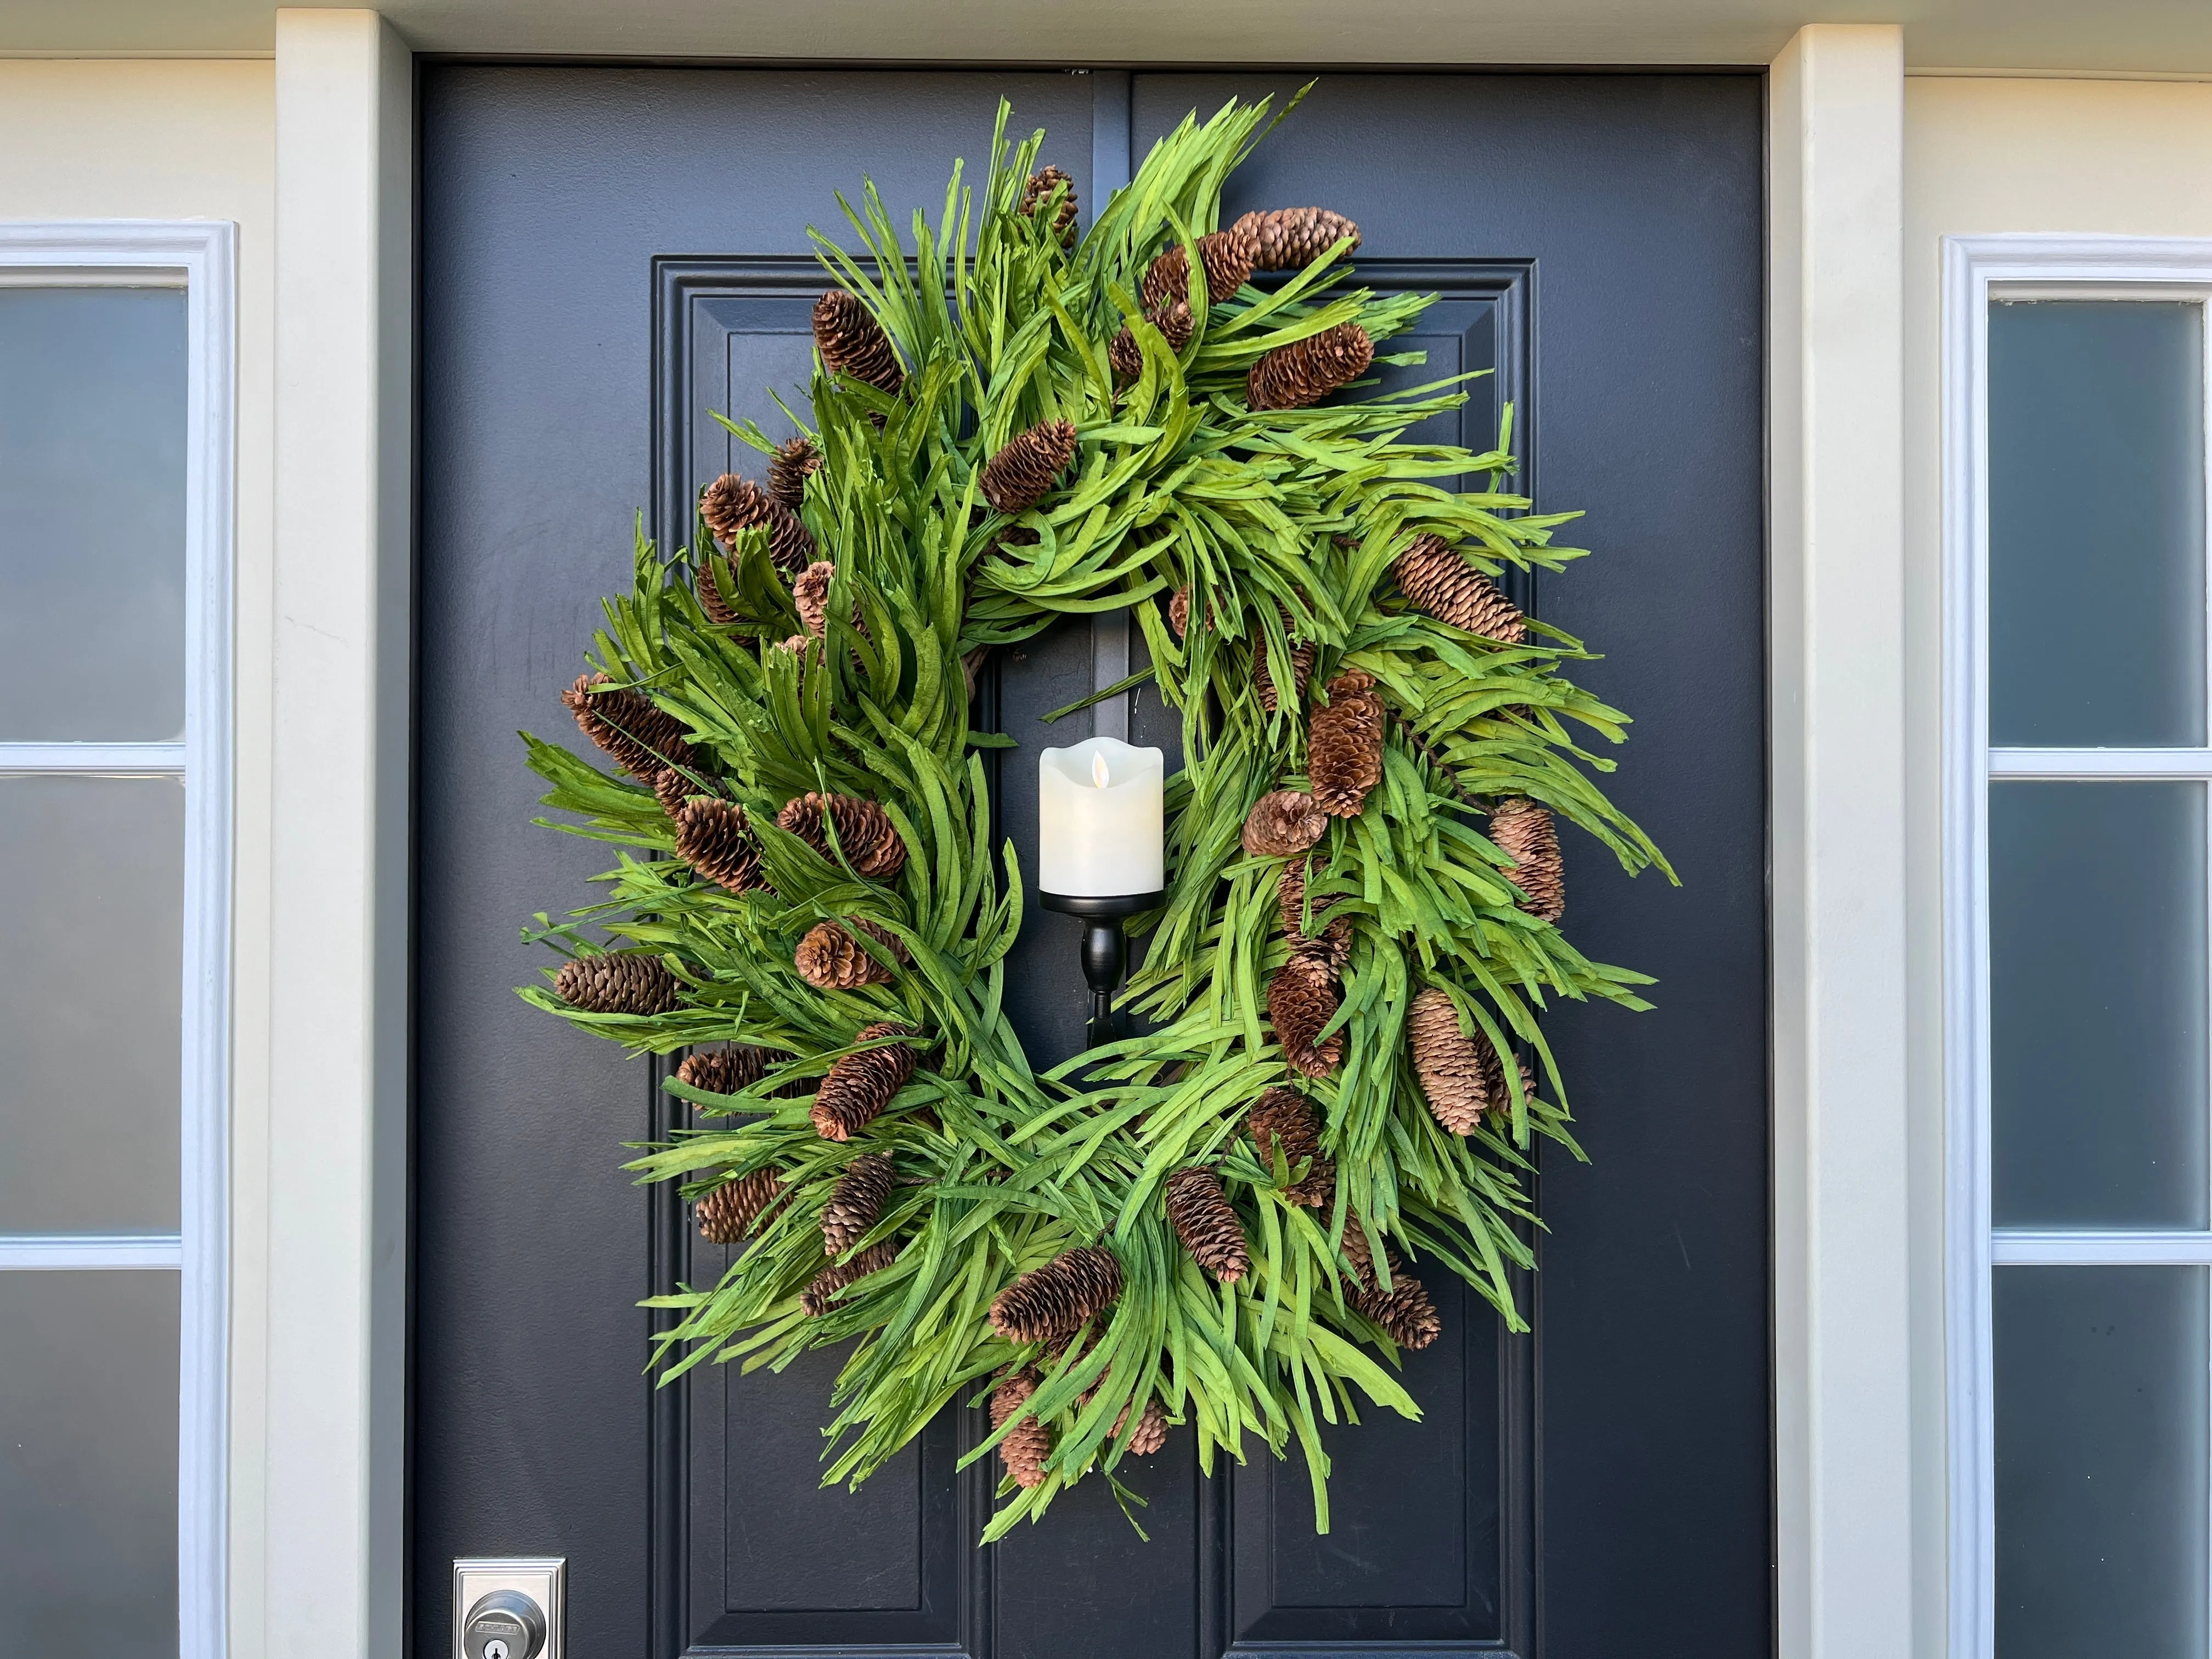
(1843, 1444)
(338, 1053)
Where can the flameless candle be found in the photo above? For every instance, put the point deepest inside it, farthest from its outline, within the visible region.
(1100, 832)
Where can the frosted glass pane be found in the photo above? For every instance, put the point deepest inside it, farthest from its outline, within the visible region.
(2097, 1004)
(2100, 1453)
(91, 977)
(87, 1464)
(2096, 523)
(92, 512)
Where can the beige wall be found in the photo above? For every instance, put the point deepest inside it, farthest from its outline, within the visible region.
(196, 140)
(1987, 156)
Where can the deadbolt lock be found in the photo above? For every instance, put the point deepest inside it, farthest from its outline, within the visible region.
(509, 1609)
(504, 1624)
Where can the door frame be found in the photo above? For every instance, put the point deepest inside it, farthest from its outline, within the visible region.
(325, 1531)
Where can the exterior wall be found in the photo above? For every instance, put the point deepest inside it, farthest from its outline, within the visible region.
(196, 140)
(1986, 156)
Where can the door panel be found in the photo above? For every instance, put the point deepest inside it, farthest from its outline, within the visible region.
(610, 253)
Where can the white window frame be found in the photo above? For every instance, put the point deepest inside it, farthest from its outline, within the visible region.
(200, 257)
(1976, 270)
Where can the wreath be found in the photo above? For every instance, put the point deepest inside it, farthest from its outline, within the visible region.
(1215, 1224)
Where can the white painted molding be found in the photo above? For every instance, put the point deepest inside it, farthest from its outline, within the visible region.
(332, 1566)
(1842, 1333)
(200, 256)
(1976, 268)
(79, 1252)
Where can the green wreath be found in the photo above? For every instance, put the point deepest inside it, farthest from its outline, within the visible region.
(1215, 1224)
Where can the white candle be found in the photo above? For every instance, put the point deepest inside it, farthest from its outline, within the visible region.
(1100, 830)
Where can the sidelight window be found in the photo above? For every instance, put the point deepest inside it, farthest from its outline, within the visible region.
(115, 389)
(2080, 1194)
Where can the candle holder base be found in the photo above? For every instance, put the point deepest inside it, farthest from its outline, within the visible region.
(1105, 948)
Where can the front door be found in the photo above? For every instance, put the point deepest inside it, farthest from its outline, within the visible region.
(610, 253)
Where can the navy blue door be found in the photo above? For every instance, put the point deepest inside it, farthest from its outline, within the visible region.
(608, 255)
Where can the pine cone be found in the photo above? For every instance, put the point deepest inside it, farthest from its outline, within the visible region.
(855, 1202)
(634, 731)
(1291, 239)
(1151, 1430)
(810, 592)
(722, 1071)
(830, 960)
(1175, 324)
(732, 1211)
(853, 343)
(1024, 473)
(1039, 190)
(1344, 745)
(1524, 832)
(1328, 943)
(1282, 822)
(730, 504)
(671, 789)
(1300, 999)
(1301, 662)
(1437, 579)
(719, 610)
(795, 461)
(714, 839)
(1460, 1073)
(1028, 1443)
(1226, 255)
(1055, 1299)
(858, 1086)
(618, 982)
(1404, 1311)
(1179, 612)
(1204, 1220)
(821, 1294)
(1300, 374)
(871, 846)
(1282, 1119)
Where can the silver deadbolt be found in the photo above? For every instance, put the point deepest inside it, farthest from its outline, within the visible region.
(504, 1624)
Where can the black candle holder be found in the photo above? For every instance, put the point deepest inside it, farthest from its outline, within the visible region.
(1105, 948)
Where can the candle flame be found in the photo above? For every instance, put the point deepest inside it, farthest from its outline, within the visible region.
(1098, 774)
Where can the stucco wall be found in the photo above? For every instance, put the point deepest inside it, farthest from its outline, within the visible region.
(1986, 156)
(196, 140)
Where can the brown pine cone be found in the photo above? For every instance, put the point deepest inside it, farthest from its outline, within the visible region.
(1024, 473)
(1300, 999)
(1524, 832)
(1301, 662)
(1207, 1223)
(722, 1071)
(853, 343)
(731, 504)
(634, 731)
(830, 960)
(709, 586)
(1460, 1072)
(1282, 1119)
(671, 789)
(732, 1211)
(618, 982)
(795, 461)
(1226, 255)
(1438, 580)
(1039, 190)
(1175, 324)
(1344, 745)
(1028, 1443)
(1300, 374)
(1291, 239)
(1282, 822)
(713, 838)
(1404, 1311)
(822, 1295)
(855, 1202)
(810, 592)
(1179, 612)
(871, 844)
(1327, 942)
(860, 1086)
(1055, 1299)
(1151, 1430)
